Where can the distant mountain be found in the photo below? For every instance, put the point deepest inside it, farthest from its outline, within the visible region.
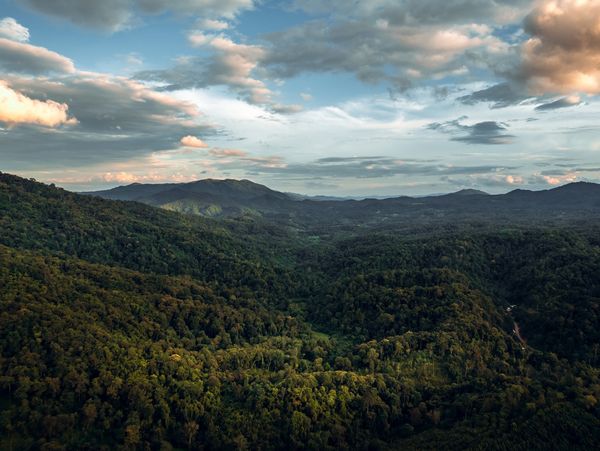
(470, 192)
(232, 198)
(212, 198)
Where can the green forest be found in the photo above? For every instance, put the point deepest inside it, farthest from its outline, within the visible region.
(123, 326)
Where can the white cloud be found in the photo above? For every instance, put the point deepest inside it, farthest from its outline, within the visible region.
(11, 29)
(16, 108)
(213, 25)
(193, 141)
(563, 54)
(128, 178)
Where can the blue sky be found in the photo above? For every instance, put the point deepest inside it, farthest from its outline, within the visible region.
(383, 97)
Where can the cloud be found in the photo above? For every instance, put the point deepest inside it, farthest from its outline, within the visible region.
(114, 15)
(500, 96)
(428, 12)
(224, 153)
(230, 64)
(213, 25)
(13, 30)
(565, 102)
(286, 108)
(128, 178)
(490, 180)
(401, 42)
(355, 168)
(118, 119)
(563, 54)
(20, 57)
(554, 180)
(378, 50)
(16, 108)
(486, 133)
(192, 141)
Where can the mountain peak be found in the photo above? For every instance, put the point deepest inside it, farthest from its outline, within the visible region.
(470, 192)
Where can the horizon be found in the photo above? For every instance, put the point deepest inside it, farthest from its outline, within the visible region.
(349, 197)
(379, 98)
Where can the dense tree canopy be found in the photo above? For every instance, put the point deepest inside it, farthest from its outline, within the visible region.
(123, 326)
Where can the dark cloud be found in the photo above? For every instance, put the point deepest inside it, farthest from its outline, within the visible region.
(565, 102)
(20, 57)
(486, 133)
(112, 15)
(500, 96)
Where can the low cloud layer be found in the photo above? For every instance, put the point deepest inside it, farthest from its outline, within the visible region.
(358, 168)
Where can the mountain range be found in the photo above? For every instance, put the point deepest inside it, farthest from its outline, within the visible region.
(233, 198)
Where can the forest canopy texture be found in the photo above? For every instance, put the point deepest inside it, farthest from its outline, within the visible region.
(124, 326)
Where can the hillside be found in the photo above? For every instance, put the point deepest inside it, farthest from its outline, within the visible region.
(130, 327)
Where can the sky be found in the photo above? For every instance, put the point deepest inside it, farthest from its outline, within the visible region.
(337, 97)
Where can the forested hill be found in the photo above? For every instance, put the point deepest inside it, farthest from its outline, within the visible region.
(124, 326)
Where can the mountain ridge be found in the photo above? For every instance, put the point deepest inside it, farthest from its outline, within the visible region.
(296, 196)
(234, 198)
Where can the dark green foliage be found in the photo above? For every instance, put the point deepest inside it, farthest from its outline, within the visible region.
(126, 327)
